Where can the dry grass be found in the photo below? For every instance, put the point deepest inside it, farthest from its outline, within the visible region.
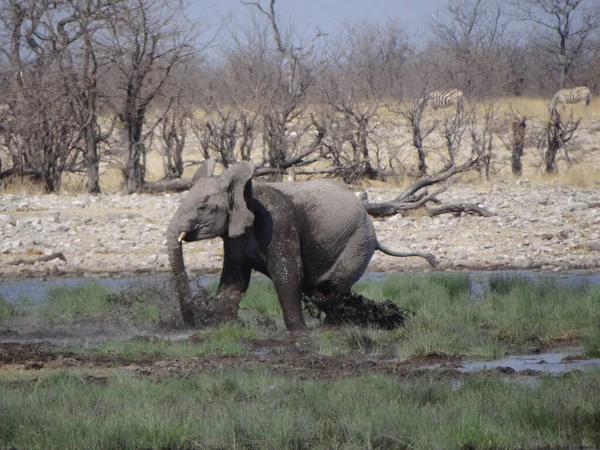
(585, 171)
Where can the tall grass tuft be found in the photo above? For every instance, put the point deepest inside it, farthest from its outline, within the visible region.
(261, 299)
(255, 409)
(6, 309)
(541, 312)
(353, 340)
(86, 301)
(139, 303)
(591, 341)
(515, 312)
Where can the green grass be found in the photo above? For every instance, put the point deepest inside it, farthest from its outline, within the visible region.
(228, 340)
(235, 410)
(261, 299)
(515, 314)
(140, 303)
(6, 309)
(591, 341)
(353, 340)
(89, 301)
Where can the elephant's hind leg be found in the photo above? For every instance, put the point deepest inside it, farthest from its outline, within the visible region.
(349, 266)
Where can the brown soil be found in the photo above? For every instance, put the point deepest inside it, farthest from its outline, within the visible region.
(291, 357)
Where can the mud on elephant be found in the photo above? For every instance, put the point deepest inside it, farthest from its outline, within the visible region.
(311, 237)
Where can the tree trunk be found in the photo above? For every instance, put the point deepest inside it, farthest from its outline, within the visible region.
(554, 143)
(418, 144)
(562, 59)
(92, 162)
(135, 149)
(518, 144)
(52, 178)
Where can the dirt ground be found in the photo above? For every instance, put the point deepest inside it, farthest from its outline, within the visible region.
(288, 358)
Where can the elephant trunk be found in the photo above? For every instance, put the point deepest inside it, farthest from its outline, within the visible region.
(182, 286)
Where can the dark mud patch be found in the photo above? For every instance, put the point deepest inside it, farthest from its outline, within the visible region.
(290, 357)
(38, 356)
(14, 353)
(209, 310)
(356, 309)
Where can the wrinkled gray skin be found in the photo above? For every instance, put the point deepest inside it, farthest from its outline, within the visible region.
(307, 237)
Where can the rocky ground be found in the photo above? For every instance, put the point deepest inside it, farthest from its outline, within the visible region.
(548, 226)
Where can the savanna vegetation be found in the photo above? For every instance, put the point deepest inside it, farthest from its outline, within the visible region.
(238, 410)
(90, 88)
(155, 393)
(514, 315)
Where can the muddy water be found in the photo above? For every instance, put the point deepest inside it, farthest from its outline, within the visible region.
(555, 362)
(35, 290)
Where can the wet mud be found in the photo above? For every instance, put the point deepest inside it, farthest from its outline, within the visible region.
(293, 357)
(289, 358)
(355, 309)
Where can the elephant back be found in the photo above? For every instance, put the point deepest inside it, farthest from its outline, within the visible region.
(333, 219)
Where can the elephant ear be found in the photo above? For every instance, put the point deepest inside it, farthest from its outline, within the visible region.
(204, 171)
(238, 182)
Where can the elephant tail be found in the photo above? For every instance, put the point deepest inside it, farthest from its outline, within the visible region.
(431, 259)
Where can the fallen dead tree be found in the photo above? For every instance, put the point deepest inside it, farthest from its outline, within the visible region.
(417, 196)
(30, 261)
(180, 184)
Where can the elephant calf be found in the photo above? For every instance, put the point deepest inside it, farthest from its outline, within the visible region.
(307, 237)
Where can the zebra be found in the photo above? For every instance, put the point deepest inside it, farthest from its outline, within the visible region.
(444, 99)
(580, 94)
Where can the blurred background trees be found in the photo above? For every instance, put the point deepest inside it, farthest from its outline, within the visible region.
(91, 84)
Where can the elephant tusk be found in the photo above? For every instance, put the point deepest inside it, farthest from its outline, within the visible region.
(181, 236)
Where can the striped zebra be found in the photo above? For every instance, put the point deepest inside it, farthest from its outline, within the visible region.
(444, 99)
(580, 94)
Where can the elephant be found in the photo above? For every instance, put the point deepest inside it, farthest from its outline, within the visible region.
(308, 237)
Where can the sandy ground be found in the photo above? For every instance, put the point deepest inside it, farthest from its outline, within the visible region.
(548, 226)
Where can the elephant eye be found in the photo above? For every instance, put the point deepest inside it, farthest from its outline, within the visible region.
(202, 207)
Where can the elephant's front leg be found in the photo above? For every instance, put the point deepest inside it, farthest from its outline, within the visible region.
(235, 279)
(286, 271)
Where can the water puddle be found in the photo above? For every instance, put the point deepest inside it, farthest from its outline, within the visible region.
(553, 362)
(27, 330)
(35, 291)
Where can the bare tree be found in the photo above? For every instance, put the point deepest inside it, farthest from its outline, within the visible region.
(42, 135)
(468, 49)
(481, 129)
(144, 42)
(284, 106)
(558, 134)
(81, 66)
(565, 27)
(413, 113)
(364, 74)
(518, 127)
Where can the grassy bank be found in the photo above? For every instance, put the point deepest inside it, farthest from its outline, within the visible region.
(515, 314)
(234, 410)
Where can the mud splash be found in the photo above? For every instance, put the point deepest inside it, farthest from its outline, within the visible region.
(355, 309)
